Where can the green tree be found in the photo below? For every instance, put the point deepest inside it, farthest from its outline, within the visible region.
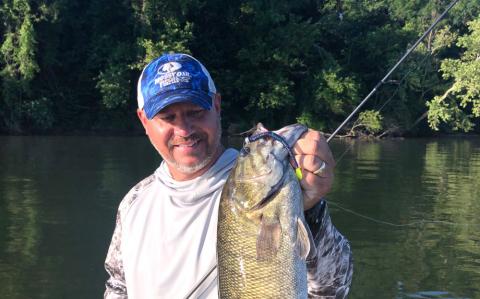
(70, 65)
(368, 122)
(270, 60)
(459, 105)
(157, 27)
(18, 62)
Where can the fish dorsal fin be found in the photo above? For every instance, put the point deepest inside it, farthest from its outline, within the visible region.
(268, 240)
(305, 245)
(259, 128)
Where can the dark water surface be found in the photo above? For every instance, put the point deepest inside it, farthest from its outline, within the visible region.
(409, 207)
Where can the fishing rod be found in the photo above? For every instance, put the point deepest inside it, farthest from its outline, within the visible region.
(381, 82)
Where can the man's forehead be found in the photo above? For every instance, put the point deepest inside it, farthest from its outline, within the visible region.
(179, 107)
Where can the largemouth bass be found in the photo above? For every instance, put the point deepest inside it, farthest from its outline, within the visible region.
(263, 240)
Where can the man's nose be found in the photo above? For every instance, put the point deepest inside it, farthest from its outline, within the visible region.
(183, 127)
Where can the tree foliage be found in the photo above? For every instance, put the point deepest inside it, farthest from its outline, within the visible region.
(73, 65)
(19, 65)
(368, 122)
(460, 103)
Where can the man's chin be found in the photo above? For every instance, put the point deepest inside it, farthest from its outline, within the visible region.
(189, 166)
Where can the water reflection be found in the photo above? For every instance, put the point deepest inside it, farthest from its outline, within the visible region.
(58, 199)
(430, 183)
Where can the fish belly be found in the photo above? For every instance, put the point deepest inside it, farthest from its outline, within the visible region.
(241, 274)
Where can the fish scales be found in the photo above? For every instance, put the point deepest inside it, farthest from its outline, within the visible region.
(279, 270)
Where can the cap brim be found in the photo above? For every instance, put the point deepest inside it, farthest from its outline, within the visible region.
(159, 102)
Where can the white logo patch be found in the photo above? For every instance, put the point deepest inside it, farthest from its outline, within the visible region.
(169, 74)
(170, 67)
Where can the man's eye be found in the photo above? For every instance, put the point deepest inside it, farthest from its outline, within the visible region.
(197, 113)
(167, 117)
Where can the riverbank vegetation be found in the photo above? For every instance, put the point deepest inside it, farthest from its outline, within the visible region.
(70, 66)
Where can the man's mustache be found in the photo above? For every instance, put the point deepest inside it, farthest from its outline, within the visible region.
(179, 140)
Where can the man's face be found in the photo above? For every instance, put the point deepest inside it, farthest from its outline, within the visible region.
(186, 136)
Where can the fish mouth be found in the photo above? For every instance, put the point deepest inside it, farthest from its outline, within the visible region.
(267, 179)
(268, 171)
(255, 177)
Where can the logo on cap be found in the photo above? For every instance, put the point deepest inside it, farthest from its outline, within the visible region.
(169, 67)
(168, 74)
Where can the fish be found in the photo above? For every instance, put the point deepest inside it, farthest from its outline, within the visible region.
(263, 241)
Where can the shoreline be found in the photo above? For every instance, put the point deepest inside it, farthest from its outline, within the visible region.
(140, 132)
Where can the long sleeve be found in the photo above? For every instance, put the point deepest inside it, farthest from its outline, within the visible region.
(330, 271)
(115, 287)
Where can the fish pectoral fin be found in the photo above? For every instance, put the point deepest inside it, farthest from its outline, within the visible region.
(268, 240)
(305, 245)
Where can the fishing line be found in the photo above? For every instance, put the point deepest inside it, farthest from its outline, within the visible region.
(344, 153)
(414, 223)
(401, 82)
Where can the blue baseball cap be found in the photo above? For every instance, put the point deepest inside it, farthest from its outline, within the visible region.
(174, 78)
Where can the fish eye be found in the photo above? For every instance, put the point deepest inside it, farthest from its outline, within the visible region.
(245, 151)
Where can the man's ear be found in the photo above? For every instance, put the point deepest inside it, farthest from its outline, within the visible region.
(143, 119)
(217, 99)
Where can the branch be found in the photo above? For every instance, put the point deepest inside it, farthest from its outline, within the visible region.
(351, 132)
(388, 131)
(447, 93)
(425, 114)
(339, 136)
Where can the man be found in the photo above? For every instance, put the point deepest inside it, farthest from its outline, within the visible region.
(164, 243)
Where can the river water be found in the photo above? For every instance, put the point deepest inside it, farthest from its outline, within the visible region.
(409, 207)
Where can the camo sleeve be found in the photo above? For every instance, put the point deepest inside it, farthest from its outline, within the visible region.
(330, 271)
(115, 287)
